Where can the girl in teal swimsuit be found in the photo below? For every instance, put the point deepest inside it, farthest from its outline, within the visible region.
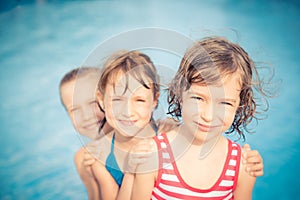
(128, 92)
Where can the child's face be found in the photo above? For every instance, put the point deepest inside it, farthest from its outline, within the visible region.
(79, 97)
(211, 109)
(130, 111)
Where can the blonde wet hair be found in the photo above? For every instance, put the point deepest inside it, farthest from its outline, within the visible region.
(78, 72)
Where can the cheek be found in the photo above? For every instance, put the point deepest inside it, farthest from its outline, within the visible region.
(228, 117)
(75, 118)
(77, 124)
(146, 108)
(110, 110)
(190, 108)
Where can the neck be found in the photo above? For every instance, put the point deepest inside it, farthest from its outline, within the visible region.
(198, 139)
(124, 142)
(205, 142)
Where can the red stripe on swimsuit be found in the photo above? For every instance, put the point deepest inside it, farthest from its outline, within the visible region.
(170, 185)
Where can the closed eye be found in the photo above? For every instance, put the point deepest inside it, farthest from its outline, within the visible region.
(141, 100)
(73, 109)
(197, 98)
(226, 103)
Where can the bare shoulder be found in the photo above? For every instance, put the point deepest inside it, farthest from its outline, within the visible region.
(79, 156)
(171, 135)
(168, 124)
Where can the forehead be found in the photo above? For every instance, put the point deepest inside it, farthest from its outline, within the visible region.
(79, 90)
(228, 86)
(87, 84)
(127, 83)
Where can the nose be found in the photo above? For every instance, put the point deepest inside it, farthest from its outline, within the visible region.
(88, 112)
(128, 109)
(207, 112)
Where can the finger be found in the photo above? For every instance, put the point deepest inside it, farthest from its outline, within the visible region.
(89, 162)
(251, 153)
(253, 157)
(246, 147)
(256, 167)
(140, 156)
(141, 150)
(137, 161)
(257, 173)
(254, 160)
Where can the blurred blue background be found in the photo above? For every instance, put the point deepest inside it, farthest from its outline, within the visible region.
(42, 40)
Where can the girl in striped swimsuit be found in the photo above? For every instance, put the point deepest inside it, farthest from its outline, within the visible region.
(212, 93)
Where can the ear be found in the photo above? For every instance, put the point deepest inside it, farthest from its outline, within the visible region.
(100, 99)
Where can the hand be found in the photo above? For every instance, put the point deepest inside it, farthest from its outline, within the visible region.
(253, 161)
(92, 153)
(139, 154)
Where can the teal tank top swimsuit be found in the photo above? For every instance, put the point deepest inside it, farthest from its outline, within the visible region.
(112, 166)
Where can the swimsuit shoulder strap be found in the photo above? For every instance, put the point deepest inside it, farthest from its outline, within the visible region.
(112, 146)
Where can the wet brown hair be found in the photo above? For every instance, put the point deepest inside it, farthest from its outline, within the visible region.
(206, 62)
(133, 63)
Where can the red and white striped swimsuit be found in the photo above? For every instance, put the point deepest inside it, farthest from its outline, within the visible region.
(170, 185)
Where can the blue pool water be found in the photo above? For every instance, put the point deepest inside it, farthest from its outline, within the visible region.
(41, 40)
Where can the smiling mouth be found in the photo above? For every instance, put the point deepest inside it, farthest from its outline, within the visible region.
(128, 122)
(205, 128)
(92, 125)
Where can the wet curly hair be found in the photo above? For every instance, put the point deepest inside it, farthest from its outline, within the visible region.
(207, 62)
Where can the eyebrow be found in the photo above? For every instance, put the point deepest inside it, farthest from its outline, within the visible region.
(197, 93)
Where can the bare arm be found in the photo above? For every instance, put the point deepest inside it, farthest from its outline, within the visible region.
(145, 177)
(245, 185)
(86, 175)
(253, 161)
(108, 188)
(138, 157)
(143, 186)
(126, 187)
